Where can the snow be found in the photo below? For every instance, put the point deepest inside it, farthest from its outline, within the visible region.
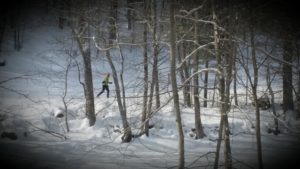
(39, 68)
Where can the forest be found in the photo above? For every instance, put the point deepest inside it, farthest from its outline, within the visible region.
(193, 84)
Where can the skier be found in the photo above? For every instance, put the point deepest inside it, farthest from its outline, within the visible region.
(105, 83)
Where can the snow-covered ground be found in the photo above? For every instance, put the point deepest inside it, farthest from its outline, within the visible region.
(32, 86)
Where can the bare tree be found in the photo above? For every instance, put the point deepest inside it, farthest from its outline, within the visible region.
(79, 33)
(223, 87)
(65, 102)
(145, 128)
(287, 86)
(121, 103)
(184, 74)
(174, 87)
(155, 52)
(198, 123)
(254, 90)
(269, 82)
(122, 107)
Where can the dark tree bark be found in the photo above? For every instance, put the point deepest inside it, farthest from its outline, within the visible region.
(88, 82)
(198, 124)
(2, 25)
(235, 81)
(145, 128)
(254, 92)
(269, 82)
(129, 14)
(224, 92)
(288, 102)
(298, 95)
(61, 17)
(112, 21)
(127, 136)
(155, 53)
(127, 130)
(205, 83)
(84, 48)
(65, 95)
(174, 87)
(16, 25)
(89, 89)
(184, 74)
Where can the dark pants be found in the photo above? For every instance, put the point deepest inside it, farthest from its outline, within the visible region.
(104, 87)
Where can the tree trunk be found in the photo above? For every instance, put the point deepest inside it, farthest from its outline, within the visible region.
(198, 124)
(254, 91)
(112, 21)
(155, 53)
(216, 46)
(234, 77)
(183, 76)
(288, 103)
(174, 87)
(2, 28)
(127, 130)
(89, 93)
(223, 92)
(129, 14)
(15, 23)
(83, 30)
(61, 17)
(205, 83)
(298, 95)
(145, 129)
(65, 95)
(84, 47)
(121, 103)
(227, 103)
(268, 79)
(88, 84)
(149, 108)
